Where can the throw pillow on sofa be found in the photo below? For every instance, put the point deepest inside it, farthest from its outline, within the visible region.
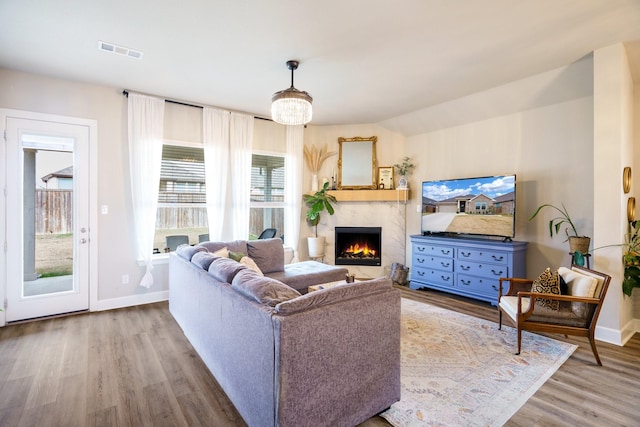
(267, 253)
(225, 269)
(262, 289)
(251, 264)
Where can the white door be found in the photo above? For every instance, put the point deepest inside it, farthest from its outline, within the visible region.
(47, 217)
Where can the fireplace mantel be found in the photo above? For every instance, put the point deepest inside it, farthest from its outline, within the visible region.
(371, 195)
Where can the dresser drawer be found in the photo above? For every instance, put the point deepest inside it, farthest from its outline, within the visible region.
(426, 275)
(434, 250)
(482, 269)
(482, 255)
(478, 286)
(433, 262)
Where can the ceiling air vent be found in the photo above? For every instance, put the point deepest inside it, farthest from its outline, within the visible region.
(120, 50)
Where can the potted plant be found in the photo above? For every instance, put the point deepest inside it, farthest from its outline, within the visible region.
(318, 202)
(577, 242)
(404, 169)
(630, 258)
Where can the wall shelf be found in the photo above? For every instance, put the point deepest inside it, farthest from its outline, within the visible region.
(371, 195)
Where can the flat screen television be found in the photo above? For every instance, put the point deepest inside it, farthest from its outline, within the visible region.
(484, 206)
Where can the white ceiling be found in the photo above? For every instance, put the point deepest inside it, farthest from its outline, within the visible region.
(363, 61)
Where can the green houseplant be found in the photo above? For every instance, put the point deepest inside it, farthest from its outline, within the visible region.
(317, 203)
(630, 258)
(577, 242)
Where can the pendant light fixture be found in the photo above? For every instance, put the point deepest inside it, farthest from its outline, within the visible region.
(291, 106)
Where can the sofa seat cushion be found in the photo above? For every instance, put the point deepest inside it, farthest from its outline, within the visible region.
(301, 275)
(187, 252)
(332, 295)
(268, 254)
(225, 269)
(263, 290)
(563, 315)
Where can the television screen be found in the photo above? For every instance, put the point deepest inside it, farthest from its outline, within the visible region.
(481, 206)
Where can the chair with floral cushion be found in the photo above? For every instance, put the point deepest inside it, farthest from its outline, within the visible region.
(541, 305)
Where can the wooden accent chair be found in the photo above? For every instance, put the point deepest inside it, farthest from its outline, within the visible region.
(572, 314)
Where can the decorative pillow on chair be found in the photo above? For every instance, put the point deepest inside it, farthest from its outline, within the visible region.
(547, 283)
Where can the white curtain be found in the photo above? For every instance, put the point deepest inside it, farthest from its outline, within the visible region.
(216, 161)
(240, 146)
(293, 191)
(146, 116)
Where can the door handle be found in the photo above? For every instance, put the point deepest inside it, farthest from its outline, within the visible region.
(83, 240)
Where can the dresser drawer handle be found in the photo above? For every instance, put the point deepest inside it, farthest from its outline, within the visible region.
(465, 267)
(496, 273)
(445, 264)
(445, 251)
(420, 248)
(497, 258)
(495, 288)
(420, 273)
(447, 278)
(420, 260)
(465, 282)
(465, 254)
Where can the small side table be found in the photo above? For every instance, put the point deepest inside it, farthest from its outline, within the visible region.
(587, 258)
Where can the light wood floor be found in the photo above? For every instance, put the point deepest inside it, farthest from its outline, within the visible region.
(134, 367)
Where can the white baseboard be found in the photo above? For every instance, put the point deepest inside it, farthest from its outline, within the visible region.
(618, 337)
(113, 303)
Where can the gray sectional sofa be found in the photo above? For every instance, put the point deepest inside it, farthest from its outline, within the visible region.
(327, 358)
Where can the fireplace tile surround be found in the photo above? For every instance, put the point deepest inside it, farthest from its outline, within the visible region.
(388, 215)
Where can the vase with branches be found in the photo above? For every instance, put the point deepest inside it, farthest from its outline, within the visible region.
(314, 159)
(404, 169)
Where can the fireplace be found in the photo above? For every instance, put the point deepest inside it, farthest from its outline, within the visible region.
(358, 246)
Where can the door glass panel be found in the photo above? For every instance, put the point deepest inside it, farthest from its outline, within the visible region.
(48, 215)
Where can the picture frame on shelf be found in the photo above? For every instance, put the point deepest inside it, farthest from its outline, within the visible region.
(385, 178)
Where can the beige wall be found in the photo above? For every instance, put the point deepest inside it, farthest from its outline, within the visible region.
(549, 149)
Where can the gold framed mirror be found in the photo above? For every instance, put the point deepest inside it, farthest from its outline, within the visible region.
(357, 164)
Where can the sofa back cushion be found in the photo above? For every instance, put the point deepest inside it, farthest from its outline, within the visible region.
(267, 253)
(187, 251)
(203, 259)
(235, 246)
(225, 269)
(332, 295)
(261, 289)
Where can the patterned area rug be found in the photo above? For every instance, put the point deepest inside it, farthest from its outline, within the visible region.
(458, 370)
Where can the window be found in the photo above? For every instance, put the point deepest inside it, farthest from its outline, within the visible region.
(481, 206)
(182, 197)
(267, 194)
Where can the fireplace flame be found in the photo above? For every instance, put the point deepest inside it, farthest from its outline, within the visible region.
(358, 250)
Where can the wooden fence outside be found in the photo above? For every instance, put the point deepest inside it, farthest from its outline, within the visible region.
(54, 215)
(54, 211)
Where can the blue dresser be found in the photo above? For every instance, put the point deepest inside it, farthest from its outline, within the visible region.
(465, 266)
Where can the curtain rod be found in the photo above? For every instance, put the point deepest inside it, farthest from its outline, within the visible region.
(125, 92)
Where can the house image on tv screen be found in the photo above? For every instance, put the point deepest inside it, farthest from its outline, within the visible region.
(483, 206)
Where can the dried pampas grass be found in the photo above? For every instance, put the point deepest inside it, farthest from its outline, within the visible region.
(315, 158)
